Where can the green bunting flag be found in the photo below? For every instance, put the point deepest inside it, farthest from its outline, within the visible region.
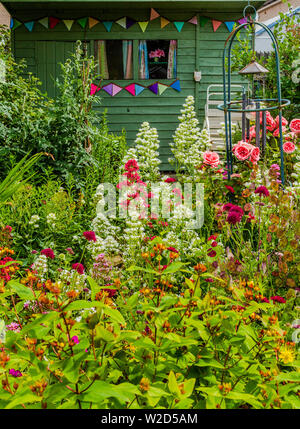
(178, 25)
(203, 21)
(16, 24)
(82, 22)
(162, 88)
(44, 22)
(122, 22)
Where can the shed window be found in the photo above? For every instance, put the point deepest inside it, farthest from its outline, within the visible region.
(157, 59)
(114, 59)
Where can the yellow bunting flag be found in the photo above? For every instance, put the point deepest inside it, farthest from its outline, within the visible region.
(93, 22)
(143, 25)
(162, 88)
(164, 22)
(68, 23)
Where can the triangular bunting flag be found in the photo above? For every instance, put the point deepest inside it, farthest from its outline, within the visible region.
(162, 88)
(16, 24)
(94, 89)
(216, 24)
(129, 22)
(108, 88)
(143, 25)
(242, 21)
(131, 88)
(82, 22)
(164, 22)
(194, 20)
(107, 24)
(230, 25)
(178, 25)
(44, 22)
(139, 89)
(11, 23)
(93, 22)
(29, 25)
(53, 22)
(203, 21)
(68, 23)
(154, 88)
(116, 89)
(176, 85)
(122, 22)
(154, 14)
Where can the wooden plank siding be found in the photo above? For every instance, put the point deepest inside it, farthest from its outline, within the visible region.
(44, 49)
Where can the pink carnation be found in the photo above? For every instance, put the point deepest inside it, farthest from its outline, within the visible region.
(90, 235)
(48, 252)
(78, 267)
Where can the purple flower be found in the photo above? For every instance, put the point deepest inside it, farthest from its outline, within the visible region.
(75, 339)
(15, 373)
(14, 327)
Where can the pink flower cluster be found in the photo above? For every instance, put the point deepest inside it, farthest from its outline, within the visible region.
(158, 53)
(234, 213)
(244, 151)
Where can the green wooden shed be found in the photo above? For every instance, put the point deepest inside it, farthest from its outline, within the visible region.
(149, 53)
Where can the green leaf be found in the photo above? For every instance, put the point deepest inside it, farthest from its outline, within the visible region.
(174, 267)
(28, 398)
(172, 384)
(22, 291)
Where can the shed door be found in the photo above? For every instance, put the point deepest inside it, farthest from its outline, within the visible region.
(49, 56)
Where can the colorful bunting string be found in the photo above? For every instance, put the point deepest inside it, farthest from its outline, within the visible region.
(135, 89)
(125, 22)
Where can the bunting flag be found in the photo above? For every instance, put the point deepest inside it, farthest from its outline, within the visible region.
(216, 24)
(11, 23)
(193, 20)
(242, 21)
(230, 25)
(154, 88)
(53, 22)
(176, 85)
(94, 89)
(162, 88)
(164, 22)
(93, 22)
(130, 88)
(143, 25)
(203, 21)
(44, 22)
(82, 22)
(153, 14)
(16, 24)
(139, 89)
(129, 22)
(108, 88)
(29, 25)
(107, 25)
(135, 88)
(68, 23)
(116, 89)
(122, 22)
(179, 25)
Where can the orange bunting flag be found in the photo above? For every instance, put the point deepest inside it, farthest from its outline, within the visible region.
(93, 22)
(154, 14)
(216, 24)
(164, 22)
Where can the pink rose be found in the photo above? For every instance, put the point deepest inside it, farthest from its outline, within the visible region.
(254, 157)
(284, 121)
(288, 147)
(295, 126)
(271, 124)
(276, 132)
(242, 150)
(211, 158)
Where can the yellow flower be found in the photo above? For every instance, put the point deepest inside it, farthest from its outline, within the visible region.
(286, 355)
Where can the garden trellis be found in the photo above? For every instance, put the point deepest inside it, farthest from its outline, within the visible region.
(251, 104)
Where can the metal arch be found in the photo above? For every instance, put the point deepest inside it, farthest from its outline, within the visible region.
(227, 112)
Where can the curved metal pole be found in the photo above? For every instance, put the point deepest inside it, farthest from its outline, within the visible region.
(231, 39)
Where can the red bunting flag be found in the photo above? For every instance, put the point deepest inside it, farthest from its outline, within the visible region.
(216, 24)
(154, 14)
(53, 22)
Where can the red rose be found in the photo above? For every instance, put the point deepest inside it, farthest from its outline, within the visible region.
(211, 158)
(295, 126)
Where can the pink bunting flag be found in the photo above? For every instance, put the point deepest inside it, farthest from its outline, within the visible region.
(116, 89)
(216, 24)
(194, 20)
(130, 88)
(94, 89)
